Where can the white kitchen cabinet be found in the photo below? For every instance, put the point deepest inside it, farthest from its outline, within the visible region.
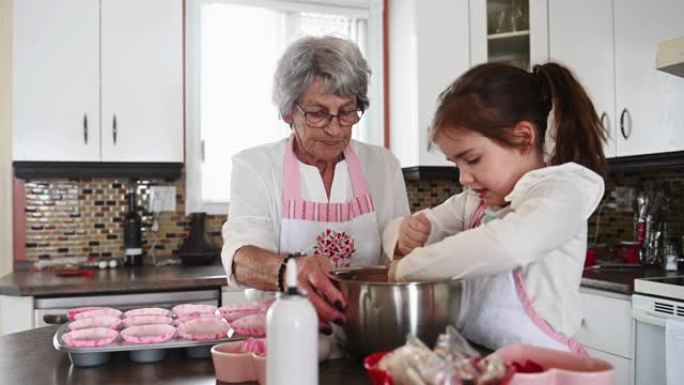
(649, 101)
(587, 48)
(611, 46)
(142, 81)
(428, 50)
(607, 330)
(56, 80)
(98, 80)
(513, 31)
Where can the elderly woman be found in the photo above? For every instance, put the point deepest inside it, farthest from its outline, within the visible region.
(317, 196)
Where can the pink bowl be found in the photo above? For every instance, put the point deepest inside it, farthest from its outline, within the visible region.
(252, 325)
(204, 329)
(146, 320)
(71, 314)
(90, 338)
(148, 334)
(104, 321)
(158, 311)
(233, 365)
(109, 311)
(561, 368)
(193, 310)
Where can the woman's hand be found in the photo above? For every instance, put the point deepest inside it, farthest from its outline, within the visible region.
(324, 296)
(413, 232)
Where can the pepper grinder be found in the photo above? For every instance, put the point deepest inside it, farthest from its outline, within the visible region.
(132, 233)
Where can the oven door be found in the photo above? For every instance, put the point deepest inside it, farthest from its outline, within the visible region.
(651, 365)
(649, 348)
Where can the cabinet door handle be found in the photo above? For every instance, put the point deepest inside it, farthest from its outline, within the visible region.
(625, 118)
(605, 123)
(85, 128)
(114, 129)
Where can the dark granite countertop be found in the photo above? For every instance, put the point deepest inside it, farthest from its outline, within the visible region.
(167, 278)
(620, 279)
(29, 358)
(122, 279)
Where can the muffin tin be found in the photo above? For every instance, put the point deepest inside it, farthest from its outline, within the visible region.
(142, 353)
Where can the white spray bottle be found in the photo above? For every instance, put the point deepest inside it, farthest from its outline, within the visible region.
(292, 336)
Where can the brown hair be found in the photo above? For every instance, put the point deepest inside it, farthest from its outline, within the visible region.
(493, 98)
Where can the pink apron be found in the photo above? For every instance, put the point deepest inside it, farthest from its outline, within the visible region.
(497, 311)
(346, 232)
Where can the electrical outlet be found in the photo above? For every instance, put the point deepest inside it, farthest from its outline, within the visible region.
(162, 198)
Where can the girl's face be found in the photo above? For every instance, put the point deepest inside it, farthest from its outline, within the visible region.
(486, 166)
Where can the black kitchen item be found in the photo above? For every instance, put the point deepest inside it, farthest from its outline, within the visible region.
(197, 249)
(132, 233)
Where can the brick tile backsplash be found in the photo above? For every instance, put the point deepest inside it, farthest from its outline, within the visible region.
(82, 217)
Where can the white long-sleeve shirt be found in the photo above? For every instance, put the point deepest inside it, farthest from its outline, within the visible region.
(543, 230)
(256, 194)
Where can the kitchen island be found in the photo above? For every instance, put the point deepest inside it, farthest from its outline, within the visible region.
(29, 358)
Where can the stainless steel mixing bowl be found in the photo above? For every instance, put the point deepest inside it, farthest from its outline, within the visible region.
(381, 314)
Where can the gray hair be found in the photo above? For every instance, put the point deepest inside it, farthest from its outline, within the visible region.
(338, 61)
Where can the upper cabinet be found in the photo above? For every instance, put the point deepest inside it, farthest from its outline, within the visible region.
(511, 31)
(587, 48)
(613, 52)
(428, 49)
(98, 80)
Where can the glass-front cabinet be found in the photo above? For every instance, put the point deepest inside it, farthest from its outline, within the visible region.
(511, 31)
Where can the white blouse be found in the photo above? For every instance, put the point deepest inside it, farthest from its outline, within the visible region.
(543, 230)
(256, 194)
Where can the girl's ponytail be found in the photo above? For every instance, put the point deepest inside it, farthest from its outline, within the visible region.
(577, 129)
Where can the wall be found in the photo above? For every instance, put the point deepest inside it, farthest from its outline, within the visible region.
(5, 137)
(83, 217)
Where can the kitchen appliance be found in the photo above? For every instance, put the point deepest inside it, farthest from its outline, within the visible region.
(670, 56)
(380, 314)
(655, 301)
(132, 233)
(197, 249)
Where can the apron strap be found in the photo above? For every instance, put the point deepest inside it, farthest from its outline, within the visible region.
(291, 191)
(476, 218)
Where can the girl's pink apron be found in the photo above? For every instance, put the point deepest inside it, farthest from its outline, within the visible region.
(496, 311)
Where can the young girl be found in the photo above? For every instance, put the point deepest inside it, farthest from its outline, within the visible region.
(528, 148)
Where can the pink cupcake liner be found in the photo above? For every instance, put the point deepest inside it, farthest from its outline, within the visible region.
(158, 311)
(191, 310)
(253, 325)
(148, 334)
(146, 320)
(254, 345)
(89, 338)
(204, 329)
(233, 312)
(104, 321)
(211, 316)
(71, 314)
(109, 311)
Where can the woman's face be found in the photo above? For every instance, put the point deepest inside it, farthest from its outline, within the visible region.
(321, 144)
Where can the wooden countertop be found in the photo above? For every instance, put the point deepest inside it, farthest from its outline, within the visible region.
(29, 358)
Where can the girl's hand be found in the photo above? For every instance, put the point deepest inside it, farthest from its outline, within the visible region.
(392, 273)
(413, 232)
(313, 280)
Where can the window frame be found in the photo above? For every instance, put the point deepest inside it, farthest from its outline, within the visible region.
(370, 9)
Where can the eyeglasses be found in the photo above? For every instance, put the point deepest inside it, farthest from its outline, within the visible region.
(322, 118)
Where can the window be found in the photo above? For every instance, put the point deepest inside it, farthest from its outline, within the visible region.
(232, 48)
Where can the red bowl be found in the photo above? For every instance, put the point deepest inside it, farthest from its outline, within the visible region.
(377, 376)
